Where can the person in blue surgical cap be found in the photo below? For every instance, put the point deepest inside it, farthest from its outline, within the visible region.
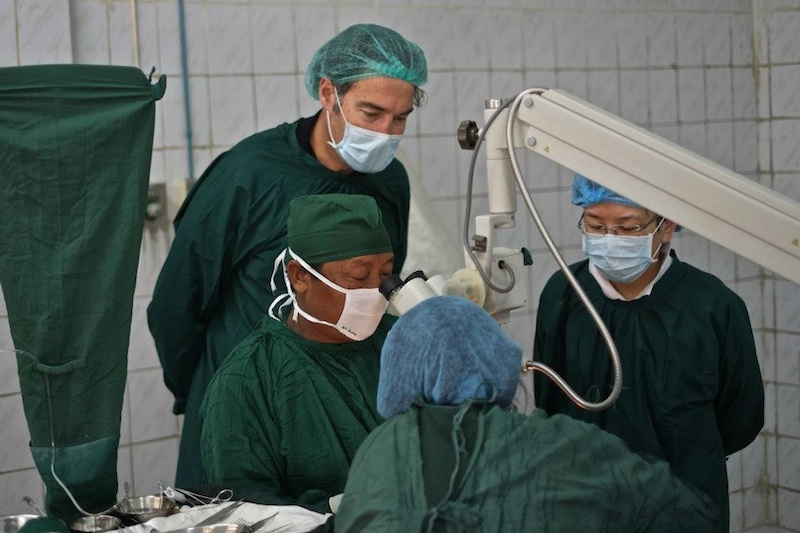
(214, 287)
(692, 389)
(453, 457)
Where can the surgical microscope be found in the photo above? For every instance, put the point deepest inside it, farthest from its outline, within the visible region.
(710, 200)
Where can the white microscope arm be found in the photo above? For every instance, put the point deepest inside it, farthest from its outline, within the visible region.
(719, 204)
(712, 201)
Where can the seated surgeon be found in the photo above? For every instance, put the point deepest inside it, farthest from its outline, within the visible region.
(287, 410)
(453, 457)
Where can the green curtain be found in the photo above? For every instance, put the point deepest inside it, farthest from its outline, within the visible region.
(75, 150)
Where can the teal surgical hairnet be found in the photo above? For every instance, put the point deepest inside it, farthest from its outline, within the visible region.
(446, 350)
(586, 193)
(366, 51)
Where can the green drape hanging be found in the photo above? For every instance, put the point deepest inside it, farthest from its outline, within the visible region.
(75, 149)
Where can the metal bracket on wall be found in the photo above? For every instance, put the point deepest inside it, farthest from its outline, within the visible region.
(155, 215)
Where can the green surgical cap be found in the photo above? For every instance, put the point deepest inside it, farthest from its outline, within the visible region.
(330, 227)
(366, 51)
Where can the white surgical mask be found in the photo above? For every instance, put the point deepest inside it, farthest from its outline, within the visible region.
(621, 258)
(363, 150)
(362, 312)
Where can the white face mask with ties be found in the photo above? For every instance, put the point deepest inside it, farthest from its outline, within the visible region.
(362, 312)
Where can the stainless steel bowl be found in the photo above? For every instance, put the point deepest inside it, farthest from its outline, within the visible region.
(13, 523)
(143, 508)
(95, 523)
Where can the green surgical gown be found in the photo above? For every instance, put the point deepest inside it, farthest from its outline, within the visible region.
(285, 415)
(512, 473)
(214, 286)
(692, 391)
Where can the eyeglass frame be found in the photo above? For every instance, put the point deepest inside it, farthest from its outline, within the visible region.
(635, 230)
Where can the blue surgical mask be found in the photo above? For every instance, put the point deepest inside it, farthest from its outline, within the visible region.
(620, 258)
(363, 150)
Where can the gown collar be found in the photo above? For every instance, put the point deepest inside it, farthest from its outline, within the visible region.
(611, 293)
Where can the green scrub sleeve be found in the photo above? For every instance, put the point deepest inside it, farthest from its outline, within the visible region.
(194, 274)
(740, 402)
(526, 473)
(253, 432)
(285, 415)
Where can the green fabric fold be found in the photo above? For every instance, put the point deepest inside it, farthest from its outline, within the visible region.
(88, 470)
(75, 151)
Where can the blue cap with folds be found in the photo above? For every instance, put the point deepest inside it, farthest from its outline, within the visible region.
(446, 350)
(586, 193)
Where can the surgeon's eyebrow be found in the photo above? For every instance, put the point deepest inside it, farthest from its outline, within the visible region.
(624, 218)
(375, 107)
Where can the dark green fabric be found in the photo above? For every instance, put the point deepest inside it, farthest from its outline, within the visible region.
(331, 227)
(527, 473)
(285, 415)
(47, 524)
(692, 391)
(85, 469)
(214, 287)
(75, 150)
(438, 461)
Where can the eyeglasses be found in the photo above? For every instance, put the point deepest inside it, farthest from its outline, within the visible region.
(624, 230)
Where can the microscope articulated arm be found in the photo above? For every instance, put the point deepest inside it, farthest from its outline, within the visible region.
(719, 204)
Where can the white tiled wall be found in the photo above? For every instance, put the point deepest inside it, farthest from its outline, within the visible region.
(717, 76)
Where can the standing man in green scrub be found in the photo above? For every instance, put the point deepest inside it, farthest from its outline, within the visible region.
(215, 284)
(692, 389)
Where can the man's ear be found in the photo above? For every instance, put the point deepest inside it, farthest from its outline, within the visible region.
(668, 228)
(327, 95)
(298, 277)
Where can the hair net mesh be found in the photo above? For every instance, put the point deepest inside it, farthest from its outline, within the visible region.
(366, 51)
(446, 350)
(586, 193)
